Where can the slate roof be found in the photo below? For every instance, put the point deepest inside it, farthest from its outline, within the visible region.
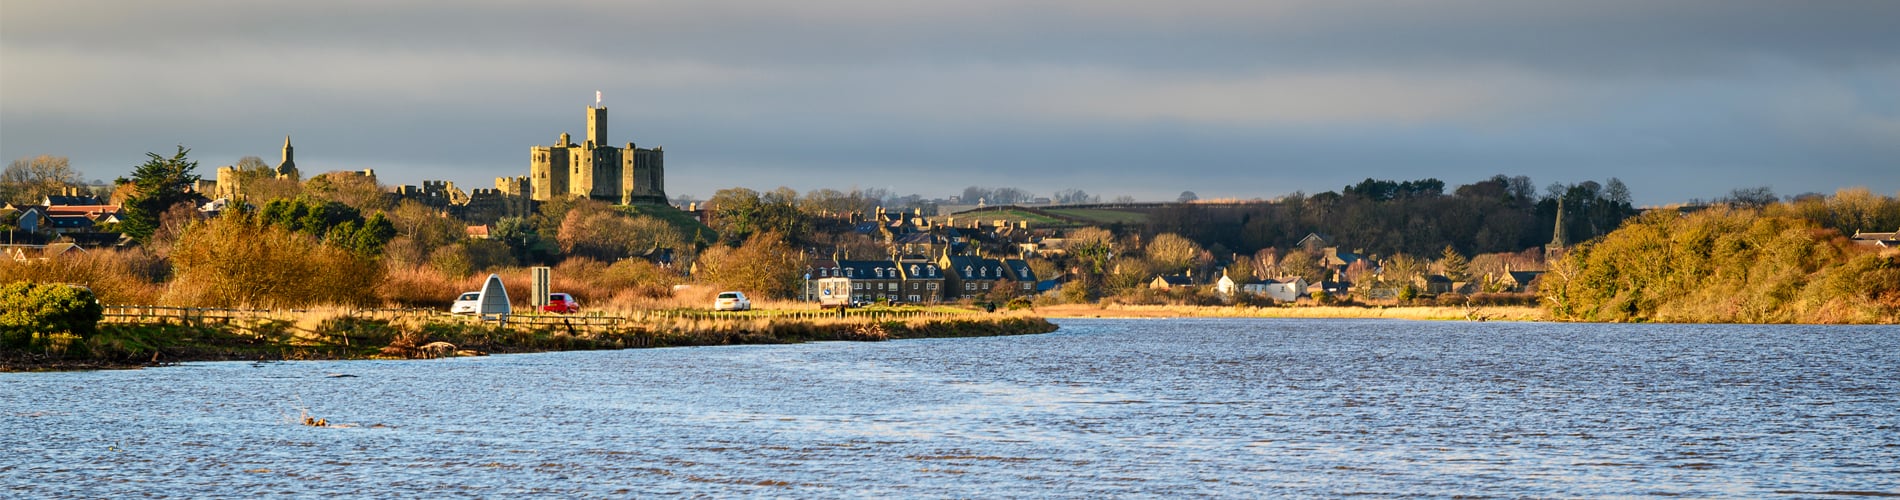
(1524, 277)
(976, 268)
(916, 239)
(69, 222)
(56, 200)
(1019, 270)
(869, 269)
(1877, 239)
(921, 271)
(96, 239)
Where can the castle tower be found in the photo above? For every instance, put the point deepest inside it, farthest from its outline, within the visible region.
(548, 171)
(288, 169)
(597, 125)
(595, 168)
(228, 187)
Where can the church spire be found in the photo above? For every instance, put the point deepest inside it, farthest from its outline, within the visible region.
(1557, 237)
(288, 169)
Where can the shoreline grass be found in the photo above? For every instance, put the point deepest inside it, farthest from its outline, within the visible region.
(338, 335)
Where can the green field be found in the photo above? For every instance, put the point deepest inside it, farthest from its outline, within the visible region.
(1098, 216)
(1013, 216)
(680, 219)
(1053, 217)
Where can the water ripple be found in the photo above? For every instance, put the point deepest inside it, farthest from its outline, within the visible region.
(1224, 408)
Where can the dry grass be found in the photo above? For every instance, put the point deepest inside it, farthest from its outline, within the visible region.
(115, 276)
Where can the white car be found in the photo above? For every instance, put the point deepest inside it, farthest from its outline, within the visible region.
(731, 301)
(467, 303)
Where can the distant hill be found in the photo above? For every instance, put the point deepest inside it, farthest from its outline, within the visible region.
(1058, 216)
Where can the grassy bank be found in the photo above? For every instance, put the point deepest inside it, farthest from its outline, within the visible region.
(341, 336)
(1488, 313)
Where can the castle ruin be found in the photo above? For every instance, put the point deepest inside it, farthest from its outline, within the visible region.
(596, 169)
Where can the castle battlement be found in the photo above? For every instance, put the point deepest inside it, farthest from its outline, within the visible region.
(594, 169)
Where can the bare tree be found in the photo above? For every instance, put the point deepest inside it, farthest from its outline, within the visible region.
(28, 180)
(1075, 196)
(1172, 253)
(254, 164)
(1521, 188)
(1617, 192)
(1753, 197)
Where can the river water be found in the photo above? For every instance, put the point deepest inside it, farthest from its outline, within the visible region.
(1194, 407)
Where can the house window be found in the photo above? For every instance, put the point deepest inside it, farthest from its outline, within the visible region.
(1027, 286)
(969, 286)
(933, 286)
(984, 272)
(915, 298)
(851, 272)
(986, 286)
(913, 269)
(880, 272)
(933, 271)
(857, 286)
(966, 271)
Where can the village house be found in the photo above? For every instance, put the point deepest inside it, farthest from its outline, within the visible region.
(1882, 240)
(880, 280)
(1171, 281)
(1283, 289)
(974, 277)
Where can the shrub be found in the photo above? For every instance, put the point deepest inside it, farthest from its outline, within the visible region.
(1722, 265)
(230, 262)
(130, 276)
(28, 309)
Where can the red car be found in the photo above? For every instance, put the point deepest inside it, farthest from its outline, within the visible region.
(562, 303)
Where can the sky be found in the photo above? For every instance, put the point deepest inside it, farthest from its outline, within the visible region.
(1680, 99)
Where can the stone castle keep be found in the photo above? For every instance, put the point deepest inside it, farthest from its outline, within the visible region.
(594, 169)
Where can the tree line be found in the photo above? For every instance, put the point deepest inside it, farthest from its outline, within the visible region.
(1383, 217)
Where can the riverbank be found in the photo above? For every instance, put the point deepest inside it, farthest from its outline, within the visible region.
(1487, 313)
(343, 337)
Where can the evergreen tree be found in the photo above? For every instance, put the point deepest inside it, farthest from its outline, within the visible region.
(1457, 268)
(520, 236)
(158, 184)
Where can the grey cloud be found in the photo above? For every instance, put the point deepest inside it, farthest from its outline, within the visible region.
(1680, 98)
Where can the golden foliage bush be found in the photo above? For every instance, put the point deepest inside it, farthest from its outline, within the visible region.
(115, 276)
(764, 266)
(624, 285)
(1724, 265)
(231, 262)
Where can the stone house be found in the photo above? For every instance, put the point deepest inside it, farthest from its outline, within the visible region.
(974, 277)
(1166, 282)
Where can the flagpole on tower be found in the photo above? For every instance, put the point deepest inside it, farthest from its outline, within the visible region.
(596, 98)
